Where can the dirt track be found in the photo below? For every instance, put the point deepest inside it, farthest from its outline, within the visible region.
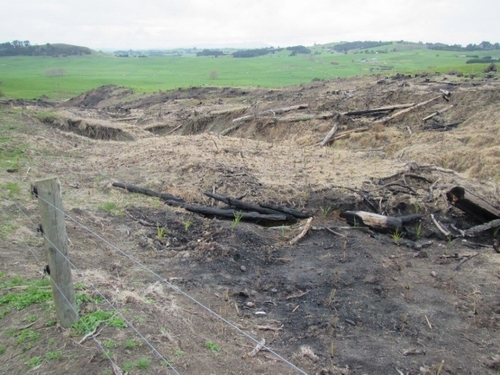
(366, 302)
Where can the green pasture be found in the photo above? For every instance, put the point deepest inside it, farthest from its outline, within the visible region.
(65, 77)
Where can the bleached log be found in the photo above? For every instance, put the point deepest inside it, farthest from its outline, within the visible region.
(399, 113)
(378, 110)
(438, 112)
(329, 135)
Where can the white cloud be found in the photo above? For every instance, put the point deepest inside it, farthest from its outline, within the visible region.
(173, 23)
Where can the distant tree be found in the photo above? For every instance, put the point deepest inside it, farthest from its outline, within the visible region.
(486, 45)
(214, 74)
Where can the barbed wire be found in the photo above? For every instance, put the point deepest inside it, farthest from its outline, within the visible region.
(98, 343)
(100, 294)
(174, 287)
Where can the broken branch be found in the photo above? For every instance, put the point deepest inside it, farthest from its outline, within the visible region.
(304, 231)
(255, 350)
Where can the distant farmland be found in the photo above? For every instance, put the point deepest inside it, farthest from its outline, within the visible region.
(64, 77)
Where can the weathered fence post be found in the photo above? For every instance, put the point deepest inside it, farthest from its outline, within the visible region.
(48, 192)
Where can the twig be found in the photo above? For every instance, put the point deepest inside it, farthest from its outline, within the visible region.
(269, 328)
(465, 260)
(255, 350)
(336, 233)
(440, 227)
(431, 190)
(304, 231)
(413, 352)
(92, 334)
(298, 295)
(174, 129)
(428, 322)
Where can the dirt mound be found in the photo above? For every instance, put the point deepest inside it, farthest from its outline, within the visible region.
(99, 97)
(88, 129)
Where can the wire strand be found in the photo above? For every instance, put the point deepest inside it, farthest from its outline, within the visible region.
(174, 287)
(99, 344)
(103, 297)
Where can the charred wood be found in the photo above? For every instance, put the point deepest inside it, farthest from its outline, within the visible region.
(148, 192)
(473, 205)
(288, 211)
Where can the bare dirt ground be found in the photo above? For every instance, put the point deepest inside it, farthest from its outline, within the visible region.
(344, 302)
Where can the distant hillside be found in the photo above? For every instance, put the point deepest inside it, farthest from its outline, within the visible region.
(24, 48)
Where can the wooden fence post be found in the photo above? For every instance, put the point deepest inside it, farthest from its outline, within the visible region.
(48, 192)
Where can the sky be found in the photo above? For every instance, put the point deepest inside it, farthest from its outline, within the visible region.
(164, 24)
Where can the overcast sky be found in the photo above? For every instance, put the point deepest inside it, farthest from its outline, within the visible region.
(145, 24)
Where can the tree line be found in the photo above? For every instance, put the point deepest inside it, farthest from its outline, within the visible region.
(25, 48)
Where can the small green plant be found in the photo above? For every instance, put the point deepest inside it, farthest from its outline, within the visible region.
(187, 224)
(108, 344)
(179, 353)
(54, 355)
(355, 223)
(416, 207)
(12, 188)
(35, 361)
(130, 344)
(142, 363)
(50, 323)
(79, 286)
(32, 318)
(325, 211)
(36, 292)
(212, 346)
(2, 350)
(396, 236)
(237, 218)
(419, 230)
(6, 229)
(91, 321)
(108, 206)
(107, 354)
(160, 232)
(496, 231)
(82, 298)
(27, 334)
(127, 366)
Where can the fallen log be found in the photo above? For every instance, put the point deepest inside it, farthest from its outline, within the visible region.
(378, 222)
(441, 128)
(399, 113)
(271, 112)
(471, 204)
(288, 211)
(231, 214)
(471, 232)
(237, 203)
(148, 192)
(330, 134)
(438, 112)
(347, 133)
(377, 110)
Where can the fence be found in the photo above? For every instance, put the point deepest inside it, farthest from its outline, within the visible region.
(59, 269)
